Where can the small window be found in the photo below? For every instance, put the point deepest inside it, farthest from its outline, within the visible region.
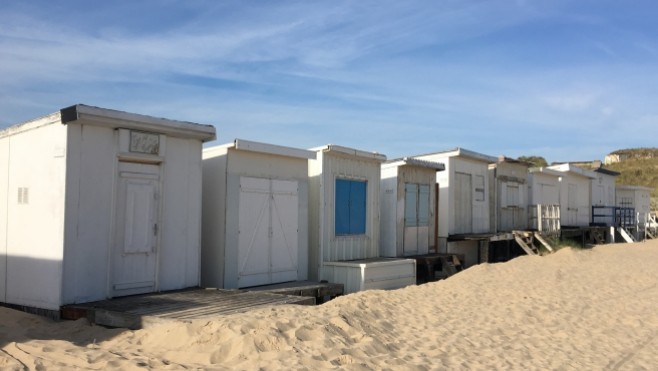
(23, 196)
(350, 213)
(626, 202)
(513, 196)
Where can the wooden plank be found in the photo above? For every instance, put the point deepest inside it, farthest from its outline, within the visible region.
(541, 239)
(137, 311)
(625, 235)
(303, 288)
(524, 246)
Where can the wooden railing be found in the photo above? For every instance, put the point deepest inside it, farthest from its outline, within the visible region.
(545, 218)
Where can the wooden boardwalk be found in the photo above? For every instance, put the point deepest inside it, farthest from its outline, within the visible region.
(321, 291)
(139, 311)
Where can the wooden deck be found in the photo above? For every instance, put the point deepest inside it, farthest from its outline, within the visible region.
(321, 291)
(139, 311)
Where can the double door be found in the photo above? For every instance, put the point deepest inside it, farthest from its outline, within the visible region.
(416, 219)
(268, 225)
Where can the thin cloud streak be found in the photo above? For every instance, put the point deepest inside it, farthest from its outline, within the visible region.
(396, 77)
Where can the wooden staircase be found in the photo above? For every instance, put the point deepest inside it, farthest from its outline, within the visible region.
(544, 241)
(650, 234)
(650, 228)
(452, 265)
(598, 236)
(526, 240)
(625, 235)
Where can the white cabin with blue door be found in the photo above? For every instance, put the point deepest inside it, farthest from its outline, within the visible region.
(408, 207)
(255, 214)
(575, 195)
(97, 203)
(344, 216)
(464, 225)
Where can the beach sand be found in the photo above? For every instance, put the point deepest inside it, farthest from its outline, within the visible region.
(575, 309)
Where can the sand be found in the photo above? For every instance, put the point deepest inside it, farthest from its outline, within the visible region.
(575, 309)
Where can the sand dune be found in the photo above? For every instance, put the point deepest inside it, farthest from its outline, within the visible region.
(576, 309)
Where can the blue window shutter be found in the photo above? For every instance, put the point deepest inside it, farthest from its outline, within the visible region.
(358, 207)
(342, 218)
(424, 205)
(410, 202)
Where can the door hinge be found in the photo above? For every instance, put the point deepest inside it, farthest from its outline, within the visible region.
(155, 229)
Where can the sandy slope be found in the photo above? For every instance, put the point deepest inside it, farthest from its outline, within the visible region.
(592, 309)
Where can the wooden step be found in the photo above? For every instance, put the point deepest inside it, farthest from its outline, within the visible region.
(625, 235)
(524, 239)
(598, 237)
(544, 242)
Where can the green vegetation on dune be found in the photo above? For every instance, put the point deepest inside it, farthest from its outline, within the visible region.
(639, 170)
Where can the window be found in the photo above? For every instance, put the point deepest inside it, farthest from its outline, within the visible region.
(23, 195)
(512, 196)
(626, 202)
(417, 205)
(350, 207)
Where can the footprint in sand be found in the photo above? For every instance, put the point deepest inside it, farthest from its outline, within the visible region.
(307, 333)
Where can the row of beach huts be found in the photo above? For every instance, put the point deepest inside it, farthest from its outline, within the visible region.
(97, 203)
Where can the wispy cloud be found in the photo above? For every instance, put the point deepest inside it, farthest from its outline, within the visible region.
(397, 77)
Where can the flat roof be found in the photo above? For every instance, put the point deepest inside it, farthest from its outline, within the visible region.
(332, 148)
(84, 114)
(545, 170)
(569, 168)
(605, 171)
(270, 149)
(438, 166)
(633, 188)
(462, 152)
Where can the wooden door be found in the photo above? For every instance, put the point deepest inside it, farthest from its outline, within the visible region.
(135, 250)
(416, 219)
(463, 203)
(572, 205)
(285, 223)
(268, 231)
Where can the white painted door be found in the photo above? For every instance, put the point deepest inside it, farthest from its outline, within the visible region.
(416, 219)
(463, 203)
(135, 251)
(268, 231)
(572, 205)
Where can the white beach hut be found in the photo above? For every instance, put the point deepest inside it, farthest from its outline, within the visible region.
(603, 197)
(255, 214)
(408, 207)
(464, 226)
(636, 200)
(98, 203)
(575, 195)
(544, 200)
(508, 179)
(636, 197)
(345, 220)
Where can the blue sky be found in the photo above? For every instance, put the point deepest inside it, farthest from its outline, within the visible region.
(563, 79)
